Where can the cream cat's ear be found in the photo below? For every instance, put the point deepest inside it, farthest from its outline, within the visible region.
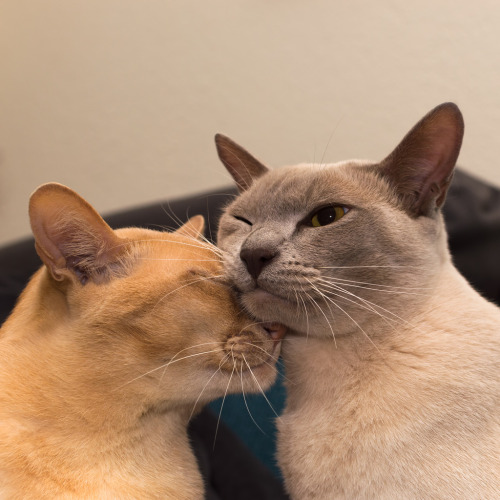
(421, 167)
(193, 227)
(243, 167)
(71, 238)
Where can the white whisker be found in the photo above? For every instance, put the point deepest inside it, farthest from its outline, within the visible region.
(350, 317)
(366, 267)
(172, 361)
(330, 139)
(266, 362)
(383, 288)
(327, 288)
(208, 382)
(311, 299)
(194, 244)
(179, 260)
(207, 278)
(180, 222)
(246, 404)
(369, 303)
(222, 404)
(298, 296)
(261, 390)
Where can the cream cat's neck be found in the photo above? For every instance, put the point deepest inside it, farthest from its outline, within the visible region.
(371, 406)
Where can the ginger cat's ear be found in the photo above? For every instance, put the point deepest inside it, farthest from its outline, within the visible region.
(71, 238)
(193, 227)
(421, 167)
(243, 167)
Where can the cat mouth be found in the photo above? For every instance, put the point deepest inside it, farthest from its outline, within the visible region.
(269, 306)
(261, 294)
(256, 345)
(276, 331)
(266, 362)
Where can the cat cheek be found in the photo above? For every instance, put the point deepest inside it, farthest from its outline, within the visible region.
(236, 273)
(229, 237)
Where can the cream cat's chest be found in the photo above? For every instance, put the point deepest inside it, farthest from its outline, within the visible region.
(401, 428)
(337, 449)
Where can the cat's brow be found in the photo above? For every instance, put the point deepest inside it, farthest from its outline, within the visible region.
(192, 282)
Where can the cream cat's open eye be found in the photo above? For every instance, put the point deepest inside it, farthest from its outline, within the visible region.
(328, 215)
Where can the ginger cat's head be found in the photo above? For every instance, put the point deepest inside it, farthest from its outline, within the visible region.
(325, 249)
(142, 316)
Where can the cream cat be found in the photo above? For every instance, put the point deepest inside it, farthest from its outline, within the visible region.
(394, 367)
(112, 346)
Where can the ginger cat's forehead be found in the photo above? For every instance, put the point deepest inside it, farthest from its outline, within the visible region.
(180, 247)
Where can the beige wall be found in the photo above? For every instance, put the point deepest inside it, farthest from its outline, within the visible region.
(120, 99)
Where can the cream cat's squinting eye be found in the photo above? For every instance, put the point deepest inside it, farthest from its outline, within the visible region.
(328, 215)
(242, 219)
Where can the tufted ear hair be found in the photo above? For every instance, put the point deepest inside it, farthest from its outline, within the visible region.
(421, 167)
(193, 227)
(71, 238)
(243, 167)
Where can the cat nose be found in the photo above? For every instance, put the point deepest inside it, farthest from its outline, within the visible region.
(256, 258)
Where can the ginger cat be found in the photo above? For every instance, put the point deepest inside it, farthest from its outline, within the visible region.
(110, 349)
(394, 363)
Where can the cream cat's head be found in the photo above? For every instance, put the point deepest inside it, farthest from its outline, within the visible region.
(144, 316)
(325, 249)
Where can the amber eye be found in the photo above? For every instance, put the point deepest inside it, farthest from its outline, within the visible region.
(328, 215)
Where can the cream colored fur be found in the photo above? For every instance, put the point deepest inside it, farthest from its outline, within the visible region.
(413, 415)
(393, 372)
(115, 342)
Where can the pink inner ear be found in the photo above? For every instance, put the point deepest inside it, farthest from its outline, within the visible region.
(243, 167)
(69, 234)
(193, 227)
(421, 167)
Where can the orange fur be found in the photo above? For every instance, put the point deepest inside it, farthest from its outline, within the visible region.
(101, 360)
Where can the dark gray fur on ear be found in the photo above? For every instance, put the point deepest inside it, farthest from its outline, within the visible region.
(243, 167)
(421, 166)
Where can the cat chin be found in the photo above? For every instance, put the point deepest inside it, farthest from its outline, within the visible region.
(268, 307)
(265, 373)
(260, 378)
